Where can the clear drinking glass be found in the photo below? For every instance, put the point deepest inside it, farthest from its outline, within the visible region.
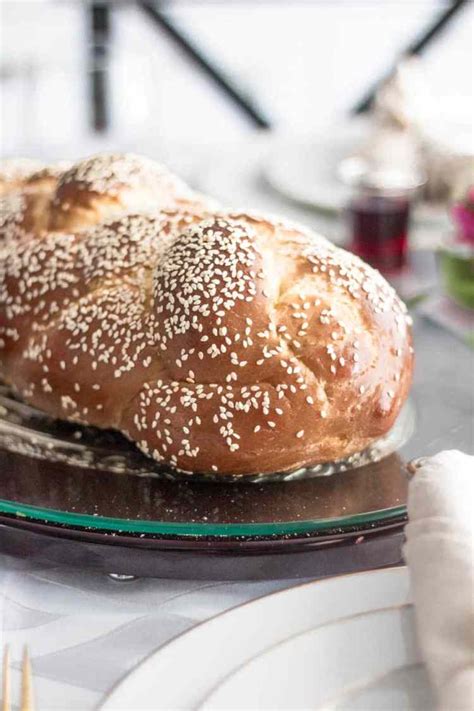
(379, 220)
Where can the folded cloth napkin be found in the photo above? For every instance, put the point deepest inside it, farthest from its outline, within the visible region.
(440, 556)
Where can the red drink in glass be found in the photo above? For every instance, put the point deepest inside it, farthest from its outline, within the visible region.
(379, 229)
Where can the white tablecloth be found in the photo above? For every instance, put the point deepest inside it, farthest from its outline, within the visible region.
(86, 631)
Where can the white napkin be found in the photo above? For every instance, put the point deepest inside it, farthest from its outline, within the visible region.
(440, 555)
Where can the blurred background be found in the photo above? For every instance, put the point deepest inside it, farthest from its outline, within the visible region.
(306, 108)
(302, 65)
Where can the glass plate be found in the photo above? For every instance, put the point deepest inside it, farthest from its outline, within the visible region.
(84, 498)
(80, 476)
(77, 495)
(71, 475)
(30, 432)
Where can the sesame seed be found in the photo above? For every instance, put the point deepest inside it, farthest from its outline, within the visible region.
(149, 290)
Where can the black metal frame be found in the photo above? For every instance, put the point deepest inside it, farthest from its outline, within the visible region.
(244, 104)
(416, 47)
(100, 34)
(99, 19)
(100, 30)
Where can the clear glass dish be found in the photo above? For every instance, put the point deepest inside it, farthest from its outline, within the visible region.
(83, 478)
(25, 430)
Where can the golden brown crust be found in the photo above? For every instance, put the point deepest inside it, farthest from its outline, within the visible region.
(108, 185)
(24, 174)
(26, 191)
(23, 214)
(232, 343)
(64, 197)
(46, 178)
(15, 172)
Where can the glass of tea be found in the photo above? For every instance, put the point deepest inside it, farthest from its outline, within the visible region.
(378, 214)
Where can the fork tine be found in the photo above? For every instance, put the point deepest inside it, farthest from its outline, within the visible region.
(6, 679)
(27, 703)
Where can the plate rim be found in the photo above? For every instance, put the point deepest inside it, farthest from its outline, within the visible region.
(425, 214)
(107, 704)
(316, 628)
(355, 688)
(88, 521)
(227, 530)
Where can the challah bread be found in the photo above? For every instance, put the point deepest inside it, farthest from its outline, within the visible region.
(29, 176)
(26, 190)
(229, 343)
(72, 197)
(22, 214)
(14, 173)
(109, 185)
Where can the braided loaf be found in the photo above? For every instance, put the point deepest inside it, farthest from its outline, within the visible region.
(73, 197)
(223, 342)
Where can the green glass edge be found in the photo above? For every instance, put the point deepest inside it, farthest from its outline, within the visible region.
(193, 529)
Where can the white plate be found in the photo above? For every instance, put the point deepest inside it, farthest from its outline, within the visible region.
(307, 172)
(326, 667)
(325, 644)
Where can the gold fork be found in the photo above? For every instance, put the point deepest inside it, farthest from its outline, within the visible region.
(26, 701)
